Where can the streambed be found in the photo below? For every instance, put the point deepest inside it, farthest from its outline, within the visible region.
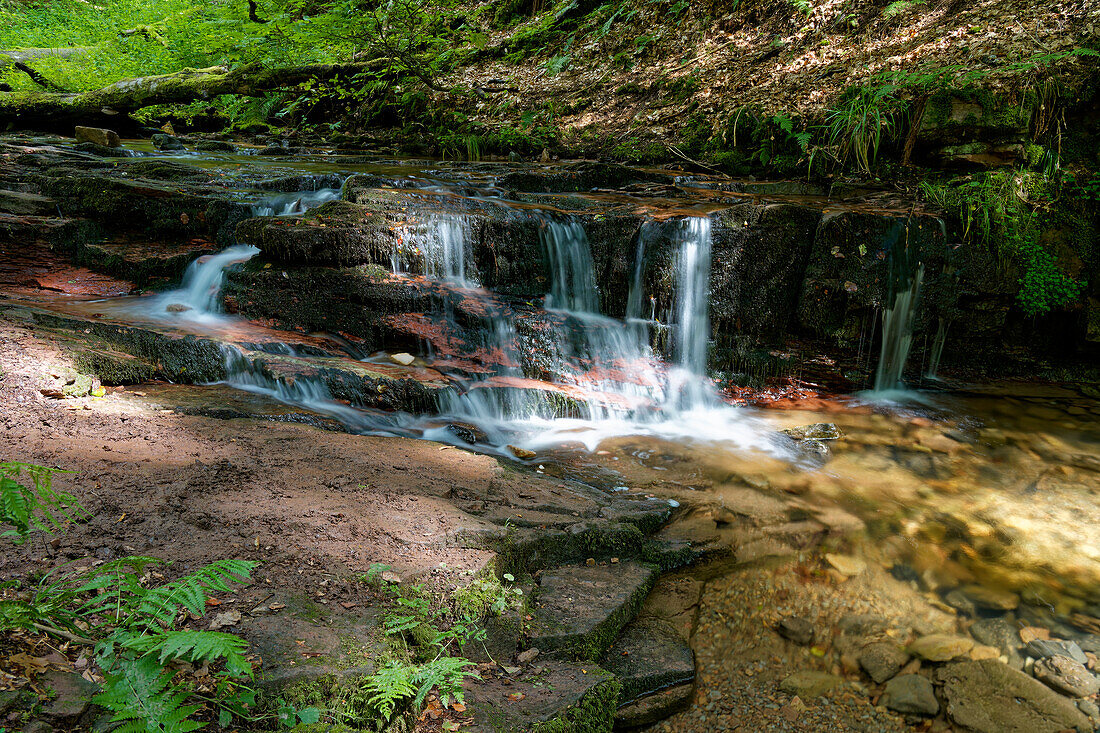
(969, 505)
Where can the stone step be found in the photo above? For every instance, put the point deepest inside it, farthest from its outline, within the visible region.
(579, 610)
(648, 657)
(552, 696)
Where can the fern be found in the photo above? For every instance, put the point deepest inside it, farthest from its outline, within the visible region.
(141, 696)
(34, 507)
(390, 685)
(195, 647)
(446, 673)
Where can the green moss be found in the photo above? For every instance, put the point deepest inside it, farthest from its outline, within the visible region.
(594, 713)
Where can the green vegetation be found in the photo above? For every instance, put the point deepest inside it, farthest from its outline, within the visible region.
(133, 625)
(1005, 210)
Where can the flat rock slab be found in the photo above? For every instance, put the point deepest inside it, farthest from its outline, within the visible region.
(941, 647)
(565, 696)
(988, 696)
(580, 609)
(648, 657)
(655, 707)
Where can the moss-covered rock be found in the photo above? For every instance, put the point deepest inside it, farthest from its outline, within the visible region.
(554, 697)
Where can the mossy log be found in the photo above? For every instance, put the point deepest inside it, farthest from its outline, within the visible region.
(110, 105)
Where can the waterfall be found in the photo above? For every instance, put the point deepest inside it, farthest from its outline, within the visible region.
(691, 387)
(442, 242)
(572, 276)
(897, 334)
(199, 293)
(936, 352)
(290, 204)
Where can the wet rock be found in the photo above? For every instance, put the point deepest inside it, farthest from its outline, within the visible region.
(648, 657)
(38, 726)
(1001, 634)
(910, 694)
(527, 656)
(1066, 676)
(809, 684)
(522, 453)
(580, 610)
(1042, 648)
(468, 432)
(578, 177)
(655, 707)
(164, 141)
(72, 696)
(991, 599)
(988, 696)
(404, 359)
(98, 136)
(817, 431)
(216, 146)
(1089, 708)
(798, 630)
(941, 647)
(177, 308)
(14, 700)
(558, 695)
(845, 564)
(21, 203)
(882, 660)
(335, 233)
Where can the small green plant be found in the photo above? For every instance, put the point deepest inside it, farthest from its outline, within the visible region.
(857, 126)
(34, 505)
(1002, 210)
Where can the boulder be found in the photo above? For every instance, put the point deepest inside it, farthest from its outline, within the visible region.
(164, 141)
(648, 657)
(71, 698)
(882, 660)
(988, 696)
(21, 203)
(555, 696)
(98, 136)
(910, 694)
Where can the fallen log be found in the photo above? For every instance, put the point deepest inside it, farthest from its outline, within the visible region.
(109, 106)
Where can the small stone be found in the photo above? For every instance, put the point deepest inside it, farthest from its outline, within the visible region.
(404, 359)
(846, 564)
(1041, 648)
(984, 652)
(882, 660)
(809, 684)
(97, 136)
(590, 562)
(391, 577)
(910, 694)
(1089, 708)
(798, 630)
(38, 726)
(527, 656)
(522, 453)
(941, 647)
(72, 697)
(177, 308)
(1066, 676)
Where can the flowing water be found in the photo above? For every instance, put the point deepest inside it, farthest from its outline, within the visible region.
(944, 492)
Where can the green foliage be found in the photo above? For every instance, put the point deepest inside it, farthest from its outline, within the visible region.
(857, 126)
(899, 8)
(37, 506)
(1003, 210)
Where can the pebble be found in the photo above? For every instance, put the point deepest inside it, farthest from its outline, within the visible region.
(941, 647)
(910, 694)
(797, 629)
(1066, 676)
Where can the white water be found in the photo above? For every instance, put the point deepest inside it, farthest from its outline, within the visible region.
(442, 242)
(198, 298)
(291, 204)
(897, 335)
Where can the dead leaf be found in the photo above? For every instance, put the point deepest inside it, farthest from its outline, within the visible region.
(458, 707)
(30, 665)
(222, 620)
(516, 696)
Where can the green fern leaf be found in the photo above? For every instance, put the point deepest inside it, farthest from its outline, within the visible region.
(140, 695)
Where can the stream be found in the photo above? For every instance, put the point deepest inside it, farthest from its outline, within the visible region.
(980, 498)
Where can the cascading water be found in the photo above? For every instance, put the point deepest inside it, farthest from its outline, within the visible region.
(690, 385)
(442, 241)
(897, 334)
(199, 295)
(291, 204)
(572, 276)
(936, 352)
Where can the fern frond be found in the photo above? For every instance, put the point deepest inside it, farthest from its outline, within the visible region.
(390, 685)
(35, 506)
(159, 607)
(141, 696)
(446, 673)
(195, 647)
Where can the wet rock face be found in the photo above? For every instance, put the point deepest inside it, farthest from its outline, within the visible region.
(648, 657)
(1066, 676)
(335, 234)
(759, 255)
(974, 129)
(987, 696)
(98, 136)
(578, 177)
(857, 261)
